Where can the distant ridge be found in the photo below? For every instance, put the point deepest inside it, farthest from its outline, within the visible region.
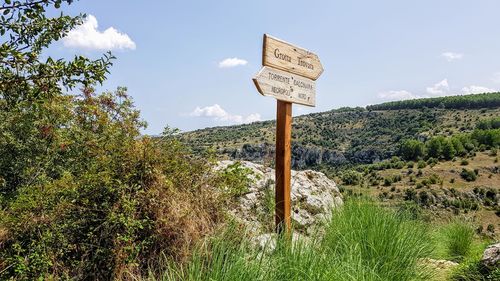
(486, 100)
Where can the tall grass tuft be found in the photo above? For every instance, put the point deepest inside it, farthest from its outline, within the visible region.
(458, 238)
(373, 243)
(363, 242)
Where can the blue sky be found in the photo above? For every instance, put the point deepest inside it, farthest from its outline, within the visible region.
(169, 53)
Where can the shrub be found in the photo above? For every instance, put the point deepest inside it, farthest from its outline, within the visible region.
(468, 175)
(473, 270)
(410, 195)
(235, 179)
(351, 177)
(388, 181)
(490, 228)
(464, 162)
(421, 164)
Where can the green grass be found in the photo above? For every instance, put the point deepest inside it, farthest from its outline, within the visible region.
(362, 242)
(459, 237)
(455, 241)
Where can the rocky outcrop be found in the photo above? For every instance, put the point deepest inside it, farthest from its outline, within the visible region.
(302, 156)
(491, 256)
(313, 197)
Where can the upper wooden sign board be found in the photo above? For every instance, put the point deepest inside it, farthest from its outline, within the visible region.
(287, 57)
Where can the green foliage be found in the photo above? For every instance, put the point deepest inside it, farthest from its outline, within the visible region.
(351, 177)
(487, 124)
(468, 175)
(472, 270)
(412, 150)
(435, 147)
(456, 102)
(449, 150)
(82, 194)
(458, 238)
(236, 179)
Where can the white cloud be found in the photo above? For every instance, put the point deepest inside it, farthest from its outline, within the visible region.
(451, 56)
(477, 90)
(86, 36)
(232, 62)
(496, 77)
(397, 95)
(439, 89)
(217, 113)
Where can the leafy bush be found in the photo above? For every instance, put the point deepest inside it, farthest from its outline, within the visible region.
(235, 179)
(351, 177)
(82, 194)
(468, 175)
(421, 164)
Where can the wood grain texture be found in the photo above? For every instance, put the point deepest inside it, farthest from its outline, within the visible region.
(283, 167)
(287, 57)
(286, 86)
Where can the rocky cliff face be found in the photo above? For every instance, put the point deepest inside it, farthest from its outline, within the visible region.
(313, 197)
(305, 156)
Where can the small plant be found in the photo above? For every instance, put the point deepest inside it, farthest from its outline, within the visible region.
(464, 162)
(468, 175)
(490, 228)
(236, 179)
(419, 173)
(387, 181)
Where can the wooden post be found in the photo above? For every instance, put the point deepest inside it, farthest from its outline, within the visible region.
(283, 166)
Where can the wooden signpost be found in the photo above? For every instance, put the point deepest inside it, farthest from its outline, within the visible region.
(288, 74)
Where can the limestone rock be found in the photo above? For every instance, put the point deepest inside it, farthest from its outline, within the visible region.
(313, 197)
(491, 256)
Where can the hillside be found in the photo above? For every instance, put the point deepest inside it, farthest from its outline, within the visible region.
(350, 136)
(440, 154)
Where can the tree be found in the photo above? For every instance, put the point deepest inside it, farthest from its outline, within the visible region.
(32, 89)
(448, 149)
(412, 150)
(434, 147)
(458, 146)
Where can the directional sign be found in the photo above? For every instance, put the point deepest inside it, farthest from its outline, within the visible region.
(289, 75)
(285, 56)
(285, 86)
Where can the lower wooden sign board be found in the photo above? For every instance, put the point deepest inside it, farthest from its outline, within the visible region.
(285, 86)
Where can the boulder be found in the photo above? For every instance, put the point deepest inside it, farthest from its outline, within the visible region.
(313, 196)
(491, 256)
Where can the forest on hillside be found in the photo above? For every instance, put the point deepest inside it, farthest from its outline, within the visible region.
(486, 100)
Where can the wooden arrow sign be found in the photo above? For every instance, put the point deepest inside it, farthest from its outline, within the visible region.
(285, 56)
(285, 86)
